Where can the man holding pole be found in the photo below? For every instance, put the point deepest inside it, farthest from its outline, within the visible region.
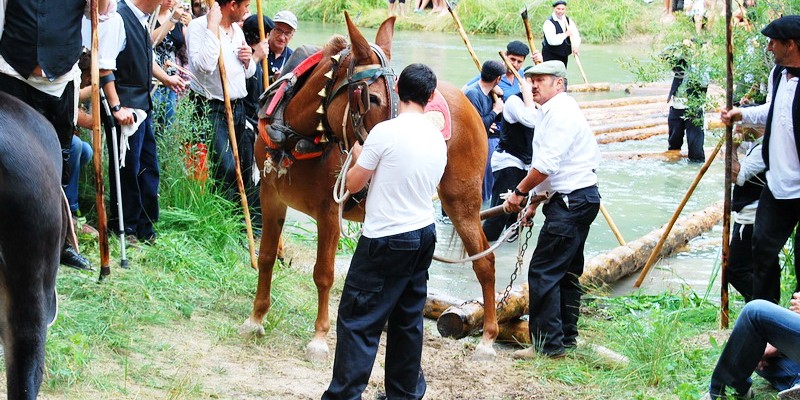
(39, 49)
(561, 36)
(779, 206)
(205, 48)
(565, 157)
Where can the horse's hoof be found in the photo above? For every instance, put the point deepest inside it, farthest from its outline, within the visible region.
(484, 353)
(250, 329)
(317, 351)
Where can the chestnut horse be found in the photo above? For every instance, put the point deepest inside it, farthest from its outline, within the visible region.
(321, 116)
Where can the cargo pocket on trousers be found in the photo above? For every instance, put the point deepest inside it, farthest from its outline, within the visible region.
(362, 293)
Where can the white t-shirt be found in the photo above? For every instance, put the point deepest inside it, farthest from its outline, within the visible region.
(408, 155)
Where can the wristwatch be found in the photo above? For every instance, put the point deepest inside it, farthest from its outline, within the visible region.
(520, 193)
(116, 108)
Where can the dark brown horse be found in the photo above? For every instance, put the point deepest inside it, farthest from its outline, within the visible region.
(320, 117)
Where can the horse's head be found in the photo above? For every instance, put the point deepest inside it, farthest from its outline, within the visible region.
(351, 89)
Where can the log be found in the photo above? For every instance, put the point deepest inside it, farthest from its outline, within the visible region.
(625, 260)
(629, 125)
(621, 102)
(669, 155)
(514, 331)
(634, 134)
(589, 87)
(436, 303)
(460, 321)
(612, 116)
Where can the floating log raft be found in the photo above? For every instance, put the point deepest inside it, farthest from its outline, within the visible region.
(589, 87)
(620, 102)
(460, 321)
(625, 260)
(633, 134)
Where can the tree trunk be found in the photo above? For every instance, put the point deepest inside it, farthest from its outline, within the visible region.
(460, 321)
(589, 87)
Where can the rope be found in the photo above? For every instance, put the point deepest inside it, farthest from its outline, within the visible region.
(506, 234)
(341, 194)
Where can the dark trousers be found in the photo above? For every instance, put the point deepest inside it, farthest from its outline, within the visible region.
(740, 260)
(387, 281)
(60, 111)
(548, 55)
(139, 180)
(678, 126)
(556, 265)
(504, 180)
(775, 220)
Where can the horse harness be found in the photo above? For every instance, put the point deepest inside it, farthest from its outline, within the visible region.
(284, 144)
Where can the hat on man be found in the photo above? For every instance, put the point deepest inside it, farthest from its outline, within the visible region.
(787, 27)
(491, 70)
(287, 17)
(518, 48)
(552, 67)
(250, 25)
(559, 2)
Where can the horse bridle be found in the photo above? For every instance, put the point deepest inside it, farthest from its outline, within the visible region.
(357, 82)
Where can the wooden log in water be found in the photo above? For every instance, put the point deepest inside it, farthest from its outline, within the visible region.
(620, 102)
(460, 321)
(628, 125)
(589, 87)
(625, 260)
(614, 116)
(633, 134)
(436, 303)
(669, 155)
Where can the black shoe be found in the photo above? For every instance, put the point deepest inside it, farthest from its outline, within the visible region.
(71, 258)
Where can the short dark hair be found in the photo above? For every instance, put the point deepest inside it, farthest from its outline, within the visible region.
(491, 70)
(223, 2)
(416, 84)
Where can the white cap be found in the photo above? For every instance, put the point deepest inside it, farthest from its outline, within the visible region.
(287, 17)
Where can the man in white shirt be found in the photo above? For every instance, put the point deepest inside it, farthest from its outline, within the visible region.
(561, 37)
(403, 159)
(779, 206)
(565, 157)
(209, 36)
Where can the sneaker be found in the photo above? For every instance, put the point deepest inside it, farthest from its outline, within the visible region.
(71, 258)
(793, 393)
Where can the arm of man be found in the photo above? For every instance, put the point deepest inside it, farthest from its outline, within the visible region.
(174, 82)
(203, 45)
(357, 176)
(550, 35)
(124, 115)
(751, 166)
(575, 37)
(487, 117)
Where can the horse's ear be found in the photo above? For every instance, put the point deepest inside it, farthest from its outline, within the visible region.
(384, 36)
(359, 44)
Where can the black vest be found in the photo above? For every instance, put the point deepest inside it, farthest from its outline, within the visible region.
(562, 50)
(517, 139)
(134, 62)
(42, 32)
(750, 191)
(776, 80)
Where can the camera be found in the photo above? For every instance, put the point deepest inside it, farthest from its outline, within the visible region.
(187, 7)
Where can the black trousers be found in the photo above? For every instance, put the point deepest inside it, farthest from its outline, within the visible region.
(740, 260)
(556, 265)
(387, 282)
(678, 127)
(548, 55)
(504, 180)
(60, 111)
(775, 220)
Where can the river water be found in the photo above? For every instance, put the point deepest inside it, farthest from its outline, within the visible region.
(640, 195)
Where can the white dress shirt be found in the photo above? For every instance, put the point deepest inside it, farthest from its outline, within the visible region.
(110, 39)
(783, 176)
(564, 147)
(514, 111)
(555, 39)
(204, 49)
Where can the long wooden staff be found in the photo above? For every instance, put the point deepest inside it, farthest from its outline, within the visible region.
(726, 208)
(102, 222)
(528, 31)
(261, 36)
(235, 149)
(463, 34)
(580, 67)
(657, 249)
(603, 210)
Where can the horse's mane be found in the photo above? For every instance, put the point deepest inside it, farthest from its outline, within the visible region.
(299, 54)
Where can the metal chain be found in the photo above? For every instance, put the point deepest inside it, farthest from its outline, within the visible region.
(522, 246)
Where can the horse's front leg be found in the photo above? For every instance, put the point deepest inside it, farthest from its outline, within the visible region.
(273, 218)
(328, 238)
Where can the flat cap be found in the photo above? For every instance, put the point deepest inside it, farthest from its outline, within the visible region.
(557, 2)
(518, 48)
(552, 67)
(492, 69)
(287, 17)
(787, 27)
(250, 25)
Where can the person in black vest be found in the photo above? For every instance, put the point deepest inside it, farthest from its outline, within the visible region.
(512, 157)
(39, 52)
(561, 36)
(127, 91)
(779, 205)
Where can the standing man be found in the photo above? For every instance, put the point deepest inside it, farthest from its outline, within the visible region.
(479, 94)
(564, 163)
(516, 52)
(404, 159)
(209, 36)
(779, 206)
(561, 36)
(40, 44)
(279, 51)
(687, 93)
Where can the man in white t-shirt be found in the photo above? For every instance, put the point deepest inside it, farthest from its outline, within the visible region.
(403, 159)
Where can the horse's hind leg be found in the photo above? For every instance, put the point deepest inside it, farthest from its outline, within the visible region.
(273, 217)
(464, 210)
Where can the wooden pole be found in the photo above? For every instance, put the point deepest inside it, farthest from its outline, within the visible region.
(102, 221)
(677, 213)
(612, 225)
(235, 149)
(463, 34)
(726, 210)
(509, 66)
(528, 31)
(261, 36)
(580, 67)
